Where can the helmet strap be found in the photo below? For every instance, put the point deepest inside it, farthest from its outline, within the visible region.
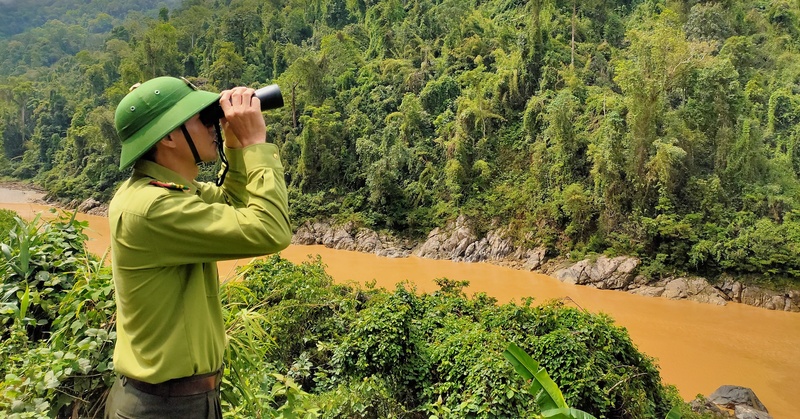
(220, 150)
(222, 157)
(197, 159)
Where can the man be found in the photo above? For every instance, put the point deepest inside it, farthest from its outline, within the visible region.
(168, 231)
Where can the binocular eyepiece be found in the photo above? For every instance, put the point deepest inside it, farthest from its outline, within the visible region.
(270, 97)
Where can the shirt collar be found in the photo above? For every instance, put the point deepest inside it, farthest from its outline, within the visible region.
(147, 168)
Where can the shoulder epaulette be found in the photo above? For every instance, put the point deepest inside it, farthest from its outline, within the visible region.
(169, 185)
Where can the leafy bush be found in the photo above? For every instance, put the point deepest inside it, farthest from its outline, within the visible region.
(38, 269)
(301, 346)
(546, 393)
(439, 354)
(59, 308)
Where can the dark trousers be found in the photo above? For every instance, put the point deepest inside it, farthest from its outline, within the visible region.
(126, 402)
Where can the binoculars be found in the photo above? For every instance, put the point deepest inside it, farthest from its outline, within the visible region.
(270, 97)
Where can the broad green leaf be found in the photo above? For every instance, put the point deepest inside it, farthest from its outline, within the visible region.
(24, 257)
(6, 249)
(566, 413)
(24, 302)
(674, 413)
(548, 395)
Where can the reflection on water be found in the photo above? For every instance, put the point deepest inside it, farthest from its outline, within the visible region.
(699, 347)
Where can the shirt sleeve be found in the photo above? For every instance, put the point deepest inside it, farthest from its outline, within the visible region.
(182, 228)
(232, 191)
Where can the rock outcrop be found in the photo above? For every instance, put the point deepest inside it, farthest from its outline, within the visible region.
(604, 273)
(350, 237)
(760, 297)
(458, 241)
(732, 401)
(92, 206)
(729, 397)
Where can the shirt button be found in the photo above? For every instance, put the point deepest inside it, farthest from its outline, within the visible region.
(275, 155)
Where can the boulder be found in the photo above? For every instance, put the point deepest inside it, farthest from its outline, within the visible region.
(532, 259)
(770, 299)
(603, 273)
(648, 291)
(499, 246)
(304, 236)
(450, 242)
(393, 252)
(620, 271)
(477, 251)
(787, 300)
(311, 233)
(792, 301)
(88, 205)
(343, 240)
(368, 241)
(731, 288)
(575, 274)
(694, 289)
(730, 397)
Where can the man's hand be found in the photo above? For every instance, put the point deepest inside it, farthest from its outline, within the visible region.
(243, 123)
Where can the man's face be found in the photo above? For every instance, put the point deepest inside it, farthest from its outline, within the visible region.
(204, 139)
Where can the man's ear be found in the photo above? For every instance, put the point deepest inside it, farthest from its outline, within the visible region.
(168, 141)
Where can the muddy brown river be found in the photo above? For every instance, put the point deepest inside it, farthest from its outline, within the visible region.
(698, 347)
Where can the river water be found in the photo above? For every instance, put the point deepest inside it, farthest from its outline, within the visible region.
(698, 347)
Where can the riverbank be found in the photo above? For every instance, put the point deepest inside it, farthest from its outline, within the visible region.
(21, 193)
(457, 242)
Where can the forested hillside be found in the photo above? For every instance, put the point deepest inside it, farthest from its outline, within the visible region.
(667, 130)
(95, 15)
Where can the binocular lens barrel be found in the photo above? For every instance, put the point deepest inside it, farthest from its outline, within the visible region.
(270, 97)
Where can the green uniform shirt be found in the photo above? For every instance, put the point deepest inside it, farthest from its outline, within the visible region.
(165, 241)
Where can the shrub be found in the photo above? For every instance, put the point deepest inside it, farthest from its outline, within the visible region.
(58, 305)
(302, 346)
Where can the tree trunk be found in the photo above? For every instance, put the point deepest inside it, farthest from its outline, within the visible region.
(574, 13)
(294, 106)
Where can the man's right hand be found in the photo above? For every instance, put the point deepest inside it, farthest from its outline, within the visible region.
(243, 122)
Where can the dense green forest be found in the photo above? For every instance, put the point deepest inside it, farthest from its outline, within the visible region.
(662, 129)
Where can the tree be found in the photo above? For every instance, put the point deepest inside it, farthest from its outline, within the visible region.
(322, 145)
(657, 62)
(17, 124)
(159, 48)
(193, 22)
(228, 67)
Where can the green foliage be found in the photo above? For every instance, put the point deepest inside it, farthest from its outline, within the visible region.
(301, 346)
(39, 259)
(6, 223)
(547, 394)
(59, 330)
(372, 353)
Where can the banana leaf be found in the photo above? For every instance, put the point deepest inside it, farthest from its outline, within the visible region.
(673, 413)
(566, 413)
(548, 395)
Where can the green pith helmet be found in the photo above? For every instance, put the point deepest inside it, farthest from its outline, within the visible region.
(152, 110)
